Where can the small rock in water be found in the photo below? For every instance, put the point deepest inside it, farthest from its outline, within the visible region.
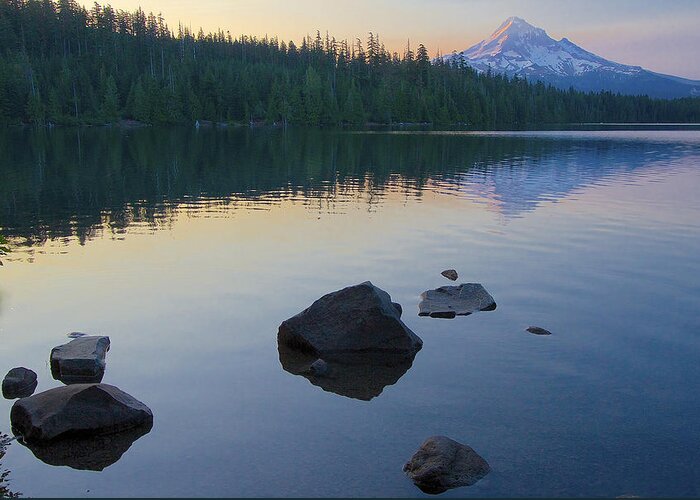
(19, 383)
(450, 274)
(536, 330)
(450, 301)
(82, 360)
(76, 335)
(442, 463)
(318, 367)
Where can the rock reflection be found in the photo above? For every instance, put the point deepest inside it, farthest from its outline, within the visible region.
(361, 377)
(87, 453)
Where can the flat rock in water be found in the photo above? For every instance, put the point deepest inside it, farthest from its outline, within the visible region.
(19, 383)
(357, 320)
(442, 463)
(76, 335)
(451, 301)
(536, 330)
(79, 410)
(450, 274)
(81, 360)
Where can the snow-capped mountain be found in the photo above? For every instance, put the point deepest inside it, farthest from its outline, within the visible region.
(518, 48)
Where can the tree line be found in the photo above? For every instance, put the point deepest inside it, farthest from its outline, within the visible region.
(62, 63)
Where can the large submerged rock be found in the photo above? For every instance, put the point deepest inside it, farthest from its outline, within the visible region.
(79, 410)
(80, 361)
(19, 383)
(359, 320)
(442, 463)
(451, 301)
(87, 453)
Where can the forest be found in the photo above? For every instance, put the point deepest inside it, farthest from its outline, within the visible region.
(61, 63)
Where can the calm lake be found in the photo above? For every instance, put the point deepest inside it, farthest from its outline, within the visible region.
(189, 248)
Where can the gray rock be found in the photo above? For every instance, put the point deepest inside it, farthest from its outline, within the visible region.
(87, 453)
(357, 320)
(536, 330)
(398, 307)
(19, 383)
(76, 335)
(80, 361)
(450, 301)
(442, 463)
(363, 378)
(450, 274)
(79, 410)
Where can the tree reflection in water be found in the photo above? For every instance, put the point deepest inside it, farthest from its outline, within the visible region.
(5, 491)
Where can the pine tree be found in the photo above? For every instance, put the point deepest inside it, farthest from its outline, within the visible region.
(110, 101)
(353, 111)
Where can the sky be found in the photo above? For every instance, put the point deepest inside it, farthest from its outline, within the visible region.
(662, 36)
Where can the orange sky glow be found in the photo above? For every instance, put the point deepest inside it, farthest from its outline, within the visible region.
(661, 36)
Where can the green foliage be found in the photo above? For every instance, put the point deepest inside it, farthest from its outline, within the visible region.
(5, 491)
(63, 63)
(4, 249)
(110, 100)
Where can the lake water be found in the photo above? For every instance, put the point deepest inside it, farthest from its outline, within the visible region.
(189, 248)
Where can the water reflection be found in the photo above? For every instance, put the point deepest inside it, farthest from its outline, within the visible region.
(115, 179)
(87, 453)
(5, 489)
(364, 378)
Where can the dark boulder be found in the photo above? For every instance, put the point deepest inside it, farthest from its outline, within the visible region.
(77, 410)
(357, 320)
(451, 301)
(19, 383)
(80, 361)
(442, 463)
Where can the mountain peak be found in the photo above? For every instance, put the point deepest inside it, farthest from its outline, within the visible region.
(515, 26)
(518, 48)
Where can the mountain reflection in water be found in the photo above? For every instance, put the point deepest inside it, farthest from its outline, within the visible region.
(80, 183)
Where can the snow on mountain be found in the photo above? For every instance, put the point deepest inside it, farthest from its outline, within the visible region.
(518, 48)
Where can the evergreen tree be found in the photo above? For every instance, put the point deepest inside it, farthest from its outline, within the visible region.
(110, 101)
(66, 64)
(353, 111)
